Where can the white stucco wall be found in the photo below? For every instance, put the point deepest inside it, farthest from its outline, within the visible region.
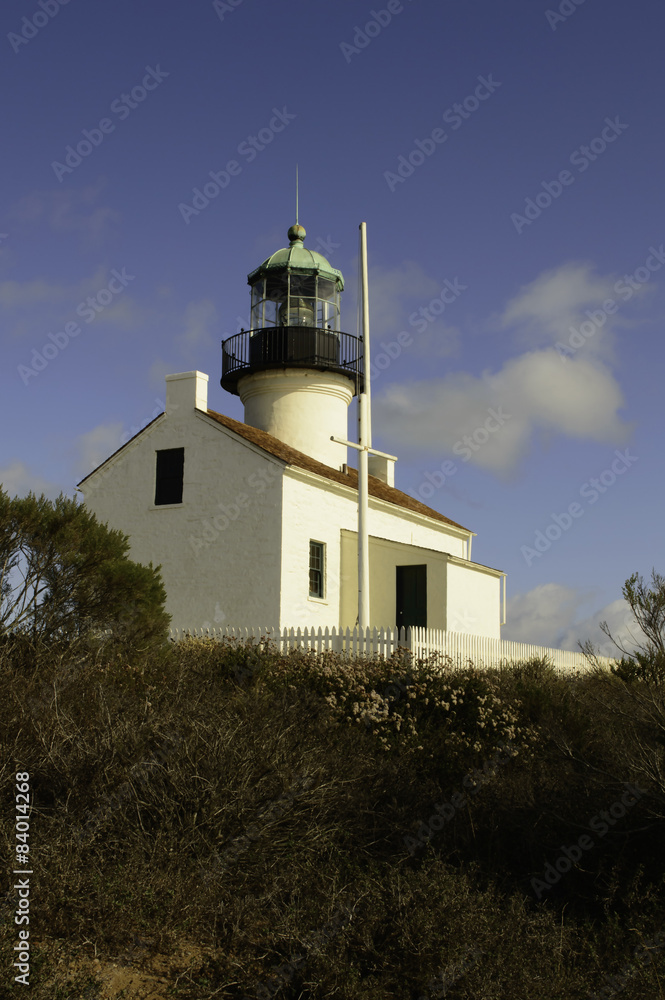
(474, 599)
(384, 556)
(302, 408)
(312, 512)
(236, 550)
(220, 561)
(324, 511)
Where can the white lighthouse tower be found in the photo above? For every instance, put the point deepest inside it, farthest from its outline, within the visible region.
(294, 370)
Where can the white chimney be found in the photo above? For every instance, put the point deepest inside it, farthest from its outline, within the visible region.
(383, 468)
(186, 391)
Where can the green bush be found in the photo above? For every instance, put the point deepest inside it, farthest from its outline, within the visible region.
(66, 579)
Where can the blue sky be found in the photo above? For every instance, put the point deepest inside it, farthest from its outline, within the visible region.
(507, 159)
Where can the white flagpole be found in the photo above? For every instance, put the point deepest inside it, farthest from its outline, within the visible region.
(365, 443)
(364, 446)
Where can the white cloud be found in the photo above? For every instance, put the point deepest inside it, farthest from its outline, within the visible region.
(535, 391)
(65, 211)
(95, 446)
(579, 396)
(395, 292)
(547, 616)
(19, 294)
(622, 625)
(199, 320)
(542, 615)
(124, 313)
(16, 294)
(438, 340)
(42, 305)
(17, 480)
(552, 307)
(555, 299)
(395, 295)
(7, 255)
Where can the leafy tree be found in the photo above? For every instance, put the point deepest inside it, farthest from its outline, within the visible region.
(647, 602)
(648, 606)
(65, 577)
(632, 694)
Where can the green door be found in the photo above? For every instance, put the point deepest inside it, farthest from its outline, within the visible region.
(411, 591)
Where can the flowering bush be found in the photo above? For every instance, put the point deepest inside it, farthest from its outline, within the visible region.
(407, 706)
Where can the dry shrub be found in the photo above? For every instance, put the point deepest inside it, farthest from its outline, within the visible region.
(225, 794)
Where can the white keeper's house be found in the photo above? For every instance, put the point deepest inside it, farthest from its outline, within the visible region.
(255, 523)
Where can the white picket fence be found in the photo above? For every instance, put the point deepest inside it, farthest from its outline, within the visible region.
(423, 643)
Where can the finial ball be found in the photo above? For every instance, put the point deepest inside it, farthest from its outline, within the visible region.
(297, 233)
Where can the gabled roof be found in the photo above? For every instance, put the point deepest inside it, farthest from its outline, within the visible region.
(377, 488)
(121, 448)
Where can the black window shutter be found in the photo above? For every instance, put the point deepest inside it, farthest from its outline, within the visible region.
(169, 476)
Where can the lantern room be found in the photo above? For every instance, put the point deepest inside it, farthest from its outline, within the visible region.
(294, 369)
(294, 319)
(295, 287)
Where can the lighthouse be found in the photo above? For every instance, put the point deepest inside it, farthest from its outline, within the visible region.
(262, 522)
(294, 369)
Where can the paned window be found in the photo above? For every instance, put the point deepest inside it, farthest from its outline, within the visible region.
(316, 569)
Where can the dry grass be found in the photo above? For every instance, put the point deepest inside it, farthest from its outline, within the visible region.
(206, 817)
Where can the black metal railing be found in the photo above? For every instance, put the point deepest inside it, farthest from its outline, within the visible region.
(290, 347)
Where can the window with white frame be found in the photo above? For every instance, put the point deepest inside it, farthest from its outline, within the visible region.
(317, 553)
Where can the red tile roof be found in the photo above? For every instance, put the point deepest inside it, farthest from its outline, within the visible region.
(377, 488)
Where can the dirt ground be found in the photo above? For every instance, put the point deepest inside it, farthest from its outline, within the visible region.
(136, 974)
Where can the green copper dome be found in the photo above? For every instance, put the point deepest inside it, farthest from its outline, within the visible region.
(296, 257)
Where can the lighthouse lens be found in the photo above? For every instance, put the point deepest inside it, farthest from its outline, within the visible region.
(299, 312)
